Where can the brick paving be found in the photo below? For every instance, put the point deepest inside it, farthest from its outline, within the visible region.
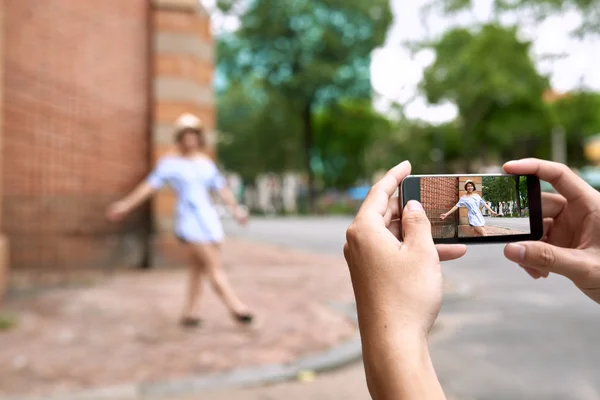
(123, 328)
(497, 231)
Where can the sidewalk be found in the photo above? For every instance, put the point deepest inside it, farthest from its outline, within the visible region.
(124, 329)
(497, 231)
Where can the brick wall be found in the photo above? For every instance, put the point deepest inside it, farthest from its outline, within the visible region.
(75, 128)
(438, 195)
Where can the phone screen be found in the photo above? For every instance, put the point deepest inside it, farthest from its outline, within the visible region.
(477, 207)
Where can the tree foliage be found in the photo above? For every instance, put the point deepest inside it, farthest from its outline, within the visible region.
(259, 132)
(578, 114)
(523, 192)
(498, 189)
(311, 52)
(489, 75)
(344, 135)
(541, 9)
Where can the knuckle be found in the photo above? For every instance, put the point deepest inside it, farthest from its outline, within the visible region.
(351, 233)
(546, 256)
(373, 189)
(346, 251)
(418, 218)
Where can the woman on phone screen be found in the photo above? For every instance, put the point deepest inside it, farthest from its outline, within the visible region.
(473, 202)
(193, 175)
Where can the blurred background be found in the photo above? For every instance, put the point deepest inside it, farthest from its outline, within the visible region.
(307, 103)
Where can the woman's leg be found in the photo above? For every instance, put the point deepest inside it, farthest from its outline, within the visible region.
(212, 254)
(480, 231)
(195, 274)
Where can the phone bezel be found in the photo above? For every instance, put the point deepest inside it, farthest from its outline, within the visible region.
(536, 223)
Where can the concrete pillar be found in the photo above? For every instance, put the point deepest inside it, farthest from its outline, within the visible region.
(182, 83)
(463, 221)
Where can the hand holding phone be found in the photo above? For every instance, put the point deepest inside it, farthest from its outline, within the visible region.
(571, 242)
(478, 208)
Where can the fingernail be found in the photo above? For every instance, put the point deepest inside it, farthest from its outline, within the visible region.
(414, 205)
(405, 162)
(515, 252)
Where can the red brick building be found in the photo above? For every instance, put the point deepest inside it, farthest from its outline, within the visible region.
(89, 91)
(439, 195)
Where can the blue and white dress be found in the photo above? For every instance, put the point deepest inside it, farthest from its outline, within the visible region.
(473, 204)
(196, 218)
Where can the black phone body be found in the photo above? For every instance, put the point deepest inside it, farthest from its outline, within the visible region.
(519, 215)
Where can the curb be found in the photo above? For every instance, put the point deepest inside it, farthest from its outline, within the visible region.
(340, 355)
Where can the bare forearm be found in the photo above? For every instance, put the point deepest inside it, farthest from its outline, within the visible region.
(140, 194)
(401, 370)
(228, 198)
(452, 210)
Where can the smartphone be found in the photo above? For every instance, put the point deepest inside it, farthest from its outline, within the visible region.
(472, 209)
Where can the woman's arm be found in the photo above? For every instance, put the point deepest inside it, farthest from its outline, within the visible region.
(119, 209)
(488, 207)
(228, 198)
(444, 215)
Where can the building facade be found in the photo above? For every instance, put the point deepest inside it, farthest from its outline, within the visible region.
(89, 92)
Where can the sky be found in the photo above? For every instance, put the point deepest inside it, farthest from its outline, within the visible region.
(395, 73)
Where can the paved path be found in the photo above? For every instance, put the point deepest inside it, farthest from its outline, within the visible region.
(519, 224)
(124, 330)
(516, 338)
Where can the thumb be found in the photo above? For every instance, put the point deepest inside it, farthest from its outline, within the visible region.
(416, 227)
(548, 258)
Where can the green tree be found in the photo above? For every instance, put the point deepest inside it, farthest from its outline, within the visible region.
(344, 133)
(430, 148)
(498, 92)
(312, 52)
(258, 131)
(541, 9)
(579, 115)
(498, 189)
(523, 192)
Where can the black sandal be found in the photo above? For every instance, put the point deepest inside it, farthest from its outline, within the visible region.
(244, 318)
(190, 322)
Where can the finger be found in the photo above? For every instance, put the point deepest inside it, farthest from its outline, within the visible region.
(561, 177)
(396, 228)
(378, 198)
(416, 228)
(393, 211)
(548, 222)
(552, 204)
(535, 274)
(545, 257)
(449, 252)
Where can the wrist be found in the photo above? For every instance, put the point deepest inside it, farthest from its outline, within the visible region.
(402, 370)
(125, 204)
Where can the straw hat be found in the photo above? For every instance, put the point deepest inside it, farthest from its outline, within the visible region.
(186, 122)
(471, 182)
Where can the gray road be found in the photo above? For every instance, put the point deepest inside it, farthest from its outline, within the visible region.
(514, 338)
(519, 224)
